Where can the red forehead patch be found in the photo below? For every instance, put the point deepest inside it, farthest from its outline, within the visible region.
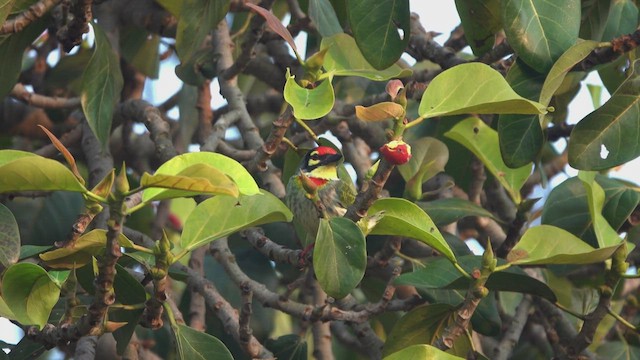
(326, 150)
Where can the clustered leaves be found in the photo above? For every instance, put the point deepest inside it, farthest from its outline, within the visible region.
(448, 152)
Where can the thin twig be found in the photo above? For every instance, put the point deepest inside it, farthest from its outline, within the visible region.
(251, 39)
(33, 13)
(512, 334)
(244, 320)
(271, 249)
(321, 331)
(20, 92)
(142, 111)
(214, 300)
(197, 303)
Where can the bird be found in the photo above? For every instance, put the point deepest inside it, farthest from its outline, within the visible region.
(316, 191)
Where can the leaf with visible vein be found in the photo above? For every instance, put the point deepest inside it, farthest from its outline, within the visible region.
(101, 86)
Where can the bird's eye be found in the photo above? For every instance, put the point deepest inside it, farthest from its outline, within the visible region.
(315, 157)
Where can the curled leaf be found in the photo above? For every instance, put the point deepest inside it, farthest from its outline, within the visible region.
(380, 111)
(274, 24)
(65, 152)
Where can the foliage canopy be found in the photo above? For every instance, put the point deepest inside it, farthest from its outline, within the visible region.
(198, 246)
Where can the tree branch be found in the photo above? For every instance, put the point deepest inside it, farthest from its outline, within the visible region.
(512, 334)
(197, 304)
(593, 319)
(20, 92)
(256, 29)
(33, 13)
(70, 34)
(619, 46)
(271, 249)
(216, 302)
(244, 320)
(423, 47)
(142, 111)
(321, 330)
(370, 192)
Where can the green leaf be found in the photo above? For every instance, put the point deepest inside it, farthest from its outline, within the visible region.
(446, 211)
(101, 86)
(402, 217)
(9, 238)
(345, 59)
(12, 47)
(59, 276)
(322, 14)
(618, 350)
(223, 215)
(7, 156)
(381, 30)
(339, 256)
(567, 206)
(199, 67)
(441, 274)
(141, 49)
(594, 19)
(5, 311)
(289, 347)
(623, 19)
(429, 157)
(123, 334)
(473, 88)
(87, 246)
(596, 94)
(5, 9)
(193, 180)
(27, 251)
(196, 345)
(45, 220)
(421, 352)
(22, 171)
(197, 18)
(547, 244)
(481, 20)
(482, 140)
(129, 291)
(521, 136)
(30, 293)
(540, 30)
(174, 7)
(309, 104)
(67, 74)
(188, 121)
(605, 234)
(561, 68)
(608, 136)
(614, 73)
(233, 169)
(423, 325)
(485, 319)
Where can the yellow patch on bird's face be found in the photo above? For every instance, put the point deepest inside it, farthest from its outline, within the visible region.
(329, 172)
(313, 162)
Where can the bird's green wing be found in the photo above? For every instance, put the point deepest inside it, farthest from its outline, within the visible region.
(347, 191)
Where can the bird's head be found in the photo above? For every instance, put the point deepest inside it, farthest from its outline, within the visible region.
(321, 163)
